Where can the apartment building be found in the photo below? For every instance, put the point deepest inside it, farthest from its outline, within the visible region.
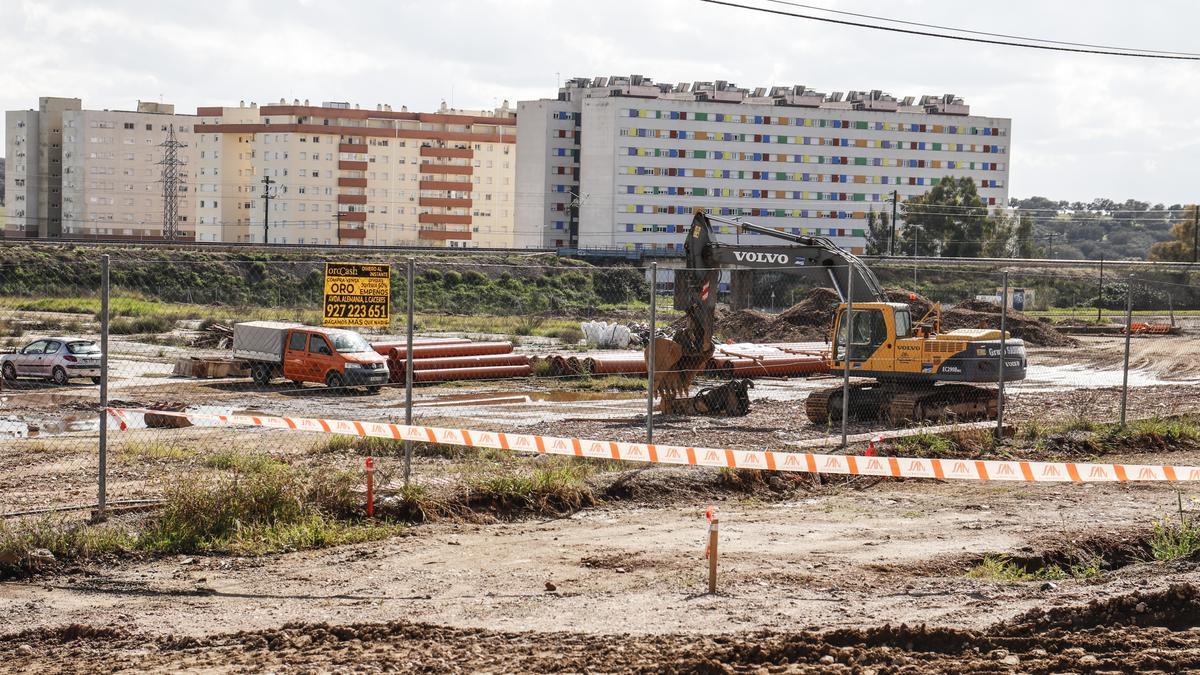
(623, 162)
(337, 174)
(84, 174)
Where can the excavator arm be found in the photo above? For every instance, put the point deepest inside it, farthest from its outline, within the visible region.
(677, 361)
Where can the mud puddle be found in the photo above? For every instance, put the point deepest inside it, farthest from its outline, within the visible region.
(79, 424)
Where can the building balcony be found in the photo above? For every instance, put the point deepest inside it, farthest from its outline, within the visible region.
(464, 153)
(347, 165)
(445, 202)
(461, 185)
(457, 169)
(352, 199)
(443, 218)
(351, 233)
(352, 182)
(352, 147)
(442, 235)
(352, 216)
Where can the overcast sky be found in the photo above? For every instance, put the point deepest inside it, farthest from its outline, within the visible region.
(1083, 126)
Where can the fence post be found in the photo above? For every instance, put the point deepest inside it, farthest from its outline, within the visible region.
(410, 292)
(846, 351)
(102, 492)
(1128, 336)
(1003, 347)
(650, 354)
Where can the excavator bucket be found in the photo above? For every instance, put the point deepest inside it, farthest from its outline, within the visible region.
(666, 355)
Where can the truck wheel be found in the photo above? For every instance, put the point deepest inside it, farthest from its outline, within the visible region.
(374, 389)
(334, 381)
(298, 384)
(10, 372)
(96, 380)
(59, 376)
(261, 374)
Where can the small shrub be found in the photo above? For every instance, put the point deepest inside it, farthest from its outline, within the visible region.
(140, 325)
(231, 460)
(526, 325)
(1170, 540)
(156, 450)
(569, 335)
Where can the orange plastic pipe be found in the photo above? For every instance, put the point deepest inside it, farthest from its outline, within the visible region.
(470, 361)
(482, 373)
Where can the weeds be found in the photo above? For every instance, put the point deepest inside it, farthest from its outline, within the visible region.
(155, 450)
(558, 489)
(231, 460)
(20, 541)
(259, 513)
(1000, 568)
(140, 325)
(1169, 541)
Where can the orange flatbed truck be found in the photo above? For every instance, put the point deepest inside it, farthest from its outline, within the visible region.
(334, 357)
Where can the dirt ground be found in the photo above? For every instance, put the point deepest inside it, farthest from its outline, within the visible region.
(815, 576)
(832, 572)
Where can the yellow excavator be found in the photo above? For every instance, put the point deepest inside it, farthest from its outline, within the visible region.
(905, 371)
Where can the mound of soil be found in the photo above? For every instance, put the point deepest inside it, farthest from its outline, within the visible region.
(979, 314)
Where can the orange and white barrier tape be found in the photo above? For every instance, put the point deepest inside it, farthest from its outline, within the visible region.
(854, 465)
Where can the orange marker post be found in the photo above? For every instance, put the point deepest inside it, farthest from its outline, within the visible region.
(370, 487)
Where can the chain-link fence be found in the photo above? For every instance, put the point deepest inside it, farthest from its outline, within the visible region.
(211, 366)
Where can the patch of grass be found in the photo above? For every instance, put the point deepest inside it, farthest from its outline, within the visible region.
(1001, 568)
(569, 336)
(65, 540)
(492, 325)
(231, 460)
(607, 383)
(257, 513)
(557, 489)
(1171, 540)
(140, 325)
(155, 450)
(925, 444)
(391, 447)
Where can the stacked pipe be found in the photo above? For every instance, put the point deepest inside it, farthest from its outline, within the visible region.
(768, 360)
(447, 360)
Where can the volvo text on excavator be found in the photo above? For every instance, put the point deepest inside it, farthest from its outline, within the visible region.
(906, 371)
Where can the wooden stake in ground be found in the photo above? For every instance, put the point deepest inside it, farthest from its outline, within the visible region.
(711, 551)
(370, 487)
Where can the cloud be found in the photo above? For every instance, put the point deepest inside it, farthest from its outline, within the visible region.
(1083, 126)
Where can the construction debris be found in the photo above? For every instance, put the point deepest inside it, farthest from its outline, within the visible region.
(207, 367)
(214, 336)
(981, 314)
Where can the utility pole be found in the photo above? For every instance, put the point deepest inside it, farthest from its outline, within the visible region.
(1100, 297)
(170, 164)
(892, 239)
(1195, 232)
(267, 183)
(1051, 237)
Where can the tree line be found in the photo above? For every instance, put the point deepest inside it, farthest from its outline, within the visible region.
(951, 220)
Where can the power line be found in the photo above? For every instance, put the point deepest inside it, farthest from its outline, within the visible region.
(962, 38)
(979, 32)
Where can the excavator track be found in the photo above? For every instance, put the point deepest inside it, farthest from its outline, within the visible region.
(948, 402)
(902, 404)
(867, 400)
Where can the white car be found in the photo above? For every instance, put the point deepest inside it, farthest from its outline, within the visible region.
(58, 359)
